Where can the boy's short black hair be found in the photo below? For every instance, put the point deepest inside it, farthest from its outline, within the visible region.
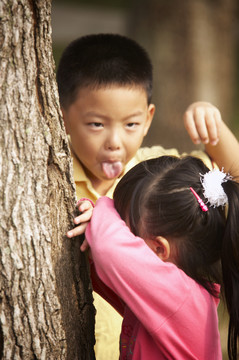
(102, 60)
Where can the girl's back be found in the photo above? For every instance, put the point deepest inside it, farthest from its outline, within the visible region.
(168, 315)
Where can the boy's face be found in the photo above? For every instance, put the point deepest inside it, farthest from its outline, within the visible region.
(107, 127)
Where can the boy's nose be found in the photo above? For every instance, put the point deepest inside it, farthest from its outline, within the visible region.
(113, 141)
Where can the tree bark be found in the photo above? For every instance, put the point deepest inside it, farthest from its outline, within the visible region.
(46, 309)
(192, 44)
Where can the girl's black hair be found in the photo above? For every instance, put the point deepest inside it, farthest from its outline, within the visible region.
(155, 197)
(103, 60)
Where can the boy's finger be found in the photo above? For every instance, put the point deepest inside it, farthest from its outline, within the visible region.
(191, 128)
(200, 124)
(212, 128)
(218, 116)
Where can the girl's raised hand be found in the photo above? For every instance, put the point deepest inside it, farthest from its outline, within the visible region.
(86, 208)
(202, 121)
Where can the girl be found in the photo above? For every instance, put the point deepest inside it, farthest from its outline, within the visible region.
(166, 286)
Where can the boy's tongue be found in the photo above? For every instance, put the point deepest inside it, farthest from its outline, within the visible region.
(112, 169)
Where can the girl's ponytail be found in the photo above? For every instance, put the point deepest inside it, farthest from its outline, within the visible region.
(230, 265)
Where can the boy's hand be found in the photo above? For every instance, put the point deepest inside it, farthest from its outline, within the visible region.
(202, 121)
(86, 209)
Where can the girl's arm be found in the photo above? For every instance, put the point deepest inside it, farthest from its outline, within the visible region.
(85, 207)
(152, 289)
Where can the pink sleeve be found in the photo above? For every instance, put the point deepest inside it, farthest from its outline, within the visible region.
(130, 268)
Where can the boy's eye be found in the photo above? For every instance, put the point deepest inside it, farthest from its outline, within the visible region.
(95, 124)
(131, 125)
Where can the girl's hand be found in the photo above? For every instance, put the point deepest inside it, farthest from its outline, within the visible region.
(202, 121)
(86, 209)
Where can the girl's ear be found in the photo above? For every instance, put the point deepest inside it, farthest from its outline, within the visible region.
(161, 247)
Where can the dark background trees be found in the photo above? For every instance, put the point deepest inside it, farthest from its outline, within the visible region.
(193, 45)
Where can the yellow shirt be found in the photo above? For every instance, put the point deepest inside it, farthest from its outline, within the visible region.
(108, 321)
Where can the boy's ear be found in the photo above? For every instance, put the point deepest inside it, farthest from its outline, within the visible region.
(161, 247)
(150, 115)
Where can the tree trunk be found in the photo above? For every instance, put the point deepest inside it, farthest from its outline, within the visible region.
(46, 309)
(192, 46)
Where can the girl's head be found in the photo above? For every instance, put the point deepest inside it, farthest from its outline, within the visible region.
(156, 201)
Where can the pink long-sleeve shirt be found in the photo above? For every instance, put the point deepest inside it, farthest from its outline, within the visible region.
(167, 315)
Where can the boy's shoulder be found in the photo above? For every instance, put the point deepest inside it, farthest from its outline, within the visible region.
(146, 153)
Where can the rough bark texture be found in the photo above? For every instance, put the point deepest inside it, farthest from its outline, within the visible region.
(192, 45)
(46, 309)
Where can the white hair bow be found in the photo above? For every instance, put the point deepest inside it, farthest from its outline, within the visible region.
(212, 185)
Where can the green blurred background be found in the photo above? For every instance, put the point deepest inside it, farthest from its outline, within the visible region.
(194, 47)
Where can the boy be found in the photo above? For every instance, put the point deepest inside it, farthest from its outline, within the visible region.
(105, 88)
